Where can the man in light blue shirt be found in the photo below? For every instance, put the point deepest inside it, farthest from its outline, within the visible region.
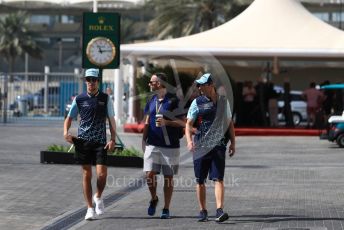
(211, 115)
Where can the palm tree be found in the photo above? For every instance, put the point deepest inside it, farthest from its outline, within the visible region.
(184, 17)
(16, 39)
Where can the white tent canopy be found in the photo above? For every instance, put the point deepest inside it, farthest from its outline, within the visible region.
(282, 28)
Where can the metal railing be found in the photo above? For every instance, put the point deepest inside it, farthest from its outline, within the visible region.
(29, 95)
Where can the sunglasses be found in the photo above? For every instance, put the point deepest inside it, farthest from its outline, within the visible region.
(91, 79)
(151, 82)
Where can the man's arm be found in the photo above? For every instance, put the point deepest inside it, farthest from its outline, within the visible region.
(67, 123)
(112, 142)
(178, 122)
(73, 113)
(231, 149)
(191, 117)
(112, 127)
(145, 133)
(188, 134)
(110, 145)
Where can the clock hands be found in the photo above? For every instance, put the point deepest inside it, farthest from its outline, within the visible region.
(102, 51)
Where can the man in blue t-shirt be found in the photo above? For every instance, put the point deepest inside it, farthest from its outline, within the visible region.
(160, 141)
(90, 145)
(211, 115)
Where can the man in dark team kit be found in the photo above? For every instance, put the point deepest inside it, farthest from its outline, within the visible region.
(212, 116)
(90, 145)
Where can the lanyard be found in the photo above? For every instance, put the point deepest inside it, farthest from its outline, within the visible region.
(157, 109)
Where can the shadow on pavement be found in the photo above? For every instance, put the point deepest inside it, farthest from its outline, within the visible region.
(277, 218)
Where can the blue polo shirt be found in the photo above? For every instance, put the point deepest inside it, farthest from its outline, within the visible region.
(165, 136)
(93, 110)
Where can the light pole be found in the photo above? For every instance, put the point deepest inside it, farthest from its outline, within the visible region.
(95, 6)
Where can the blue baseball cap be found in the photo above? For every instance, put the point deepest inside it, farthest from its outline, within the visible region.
(92, 73)
(205, 79)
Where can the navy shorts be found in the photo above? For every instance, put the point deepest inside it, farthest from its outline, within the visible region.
(89, 153)
(213, 163)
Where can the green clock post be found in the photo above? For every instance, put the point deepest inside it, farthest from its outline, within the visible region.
(101, 41)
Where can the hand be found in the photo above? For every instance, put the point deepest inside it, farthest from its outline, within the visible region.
(191, 147)
(69, 138)
(161, 121)
(231, 150)
(110, 146)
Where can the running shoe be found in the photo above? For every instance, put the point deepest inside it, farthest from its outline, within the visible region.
(152, 206)
(99, 205)
(90, 214)
(221, 216)
(165, 214)
(203, 216)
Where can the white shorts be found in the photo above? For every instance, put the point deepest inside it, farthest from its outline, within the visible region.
(159, 159)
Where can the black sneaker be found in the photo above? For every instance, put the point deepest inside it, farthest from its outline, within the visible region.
(221, 216)
(165, 214)
(152, 206)
(203, 216)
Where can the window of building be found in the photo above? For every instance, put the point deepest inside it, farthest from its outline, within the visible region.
(68, 39)
(322, 16)
(67, 19)
(40, 19)
(338, 16)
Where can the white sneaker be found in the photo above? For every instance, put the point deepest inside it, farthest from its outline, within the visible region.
(90, 214)
(99, 205)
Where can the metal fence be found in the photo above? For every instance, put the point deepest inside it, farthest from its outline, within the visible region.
(34, 95)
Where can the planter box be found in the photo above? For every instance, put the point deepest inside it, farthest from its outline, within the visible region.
(57, 157)
(50, 157)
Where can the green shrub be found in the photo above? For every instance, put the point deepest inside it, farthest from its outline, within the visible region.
(129, 152)
(60, 148)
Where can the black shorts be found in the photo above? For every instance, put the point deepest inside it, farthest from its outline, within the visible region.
(212, 164)
(89, 153)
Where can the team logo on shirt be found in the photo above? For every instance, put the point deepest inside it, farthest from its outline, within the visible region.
(208, 105)
(101, 103)
(84, 104)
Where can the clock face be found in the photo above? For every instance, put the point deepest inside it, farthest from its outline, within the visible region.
(100, 51)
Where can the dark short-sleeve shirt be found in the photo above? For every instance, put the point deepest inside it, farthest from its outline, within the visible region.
(166, 136)
(93, 112)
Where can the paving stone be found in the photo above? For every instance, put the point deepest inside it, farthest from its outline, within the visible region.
(273, 183)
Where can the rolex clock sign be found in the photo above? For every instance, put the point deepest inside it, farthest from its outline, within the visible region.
(101, 40)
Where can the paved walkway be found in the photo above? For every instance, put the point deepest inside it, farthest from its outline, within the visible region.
(272, 183)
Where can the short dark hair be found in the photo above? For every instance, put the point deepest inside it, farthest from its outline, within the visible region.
(162, 78)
